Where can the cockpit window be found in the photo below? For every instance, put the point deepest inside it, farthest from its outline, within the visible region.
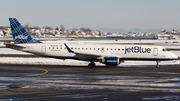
(165, 50)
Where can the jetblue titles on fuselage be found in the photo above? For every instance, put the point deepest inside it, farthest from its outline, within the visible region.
(137, 49)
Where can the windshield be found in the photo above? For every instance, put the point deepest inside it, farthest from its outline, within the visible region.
(165, 49)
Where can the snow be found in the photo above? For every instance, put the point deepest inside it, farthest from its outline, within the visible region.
(51, 61)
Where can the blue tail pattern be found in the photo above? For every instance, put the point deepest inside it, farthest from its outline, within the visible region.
(20, 36)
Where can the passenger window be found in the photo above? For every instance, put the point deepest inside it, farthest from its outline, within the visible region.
(118, 49)
(64, 48)
(94, 48)
(122, 49)
(115, 49)
(53, 47)
(98, 48)
(57, 48)
(75, 48)
(164, 50)
(71, 48)
(82, 48)
(89, 48)
(49, 47)
(107, 48)
(78, 48)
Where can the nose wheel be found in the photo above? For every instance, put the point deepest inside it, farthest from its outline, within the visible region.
(157, 64)
(91, 65)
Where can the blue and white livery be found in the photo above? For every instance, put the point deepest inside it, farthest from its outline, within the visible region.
(106, 54)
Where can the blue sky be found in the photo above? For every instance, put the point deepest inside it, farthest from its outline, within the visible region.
(122, 15)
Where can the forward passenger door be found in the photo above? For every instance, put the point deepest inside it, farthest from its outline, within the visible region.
(155, 51)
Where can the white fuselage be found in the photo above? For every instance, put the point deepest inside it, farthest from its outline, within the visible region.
(126, 52)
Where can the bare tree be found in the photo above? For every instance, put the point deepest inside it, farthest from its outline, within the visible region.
(56, 28)
(89, 30)
(83, 29)
(73, 32)
(2, 27)
(47, 27)
(36, 27)
(62, 28)
(86, 30)
(26, 27)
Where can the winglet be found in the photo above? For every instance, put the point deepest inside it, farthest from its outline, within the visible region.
(69, 50)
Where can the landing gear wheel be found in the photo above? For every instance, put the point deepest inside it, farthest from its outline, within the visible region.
(91, 65)
(157, 64)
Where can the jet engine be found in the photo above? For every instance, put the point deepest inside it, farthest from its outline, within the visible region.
(111, 61)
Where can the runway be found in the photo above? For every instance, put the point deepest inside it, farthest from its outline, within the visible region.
(59, 82)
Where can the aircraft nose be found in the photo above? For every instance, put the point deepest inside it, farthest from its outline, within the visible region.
(175, 57)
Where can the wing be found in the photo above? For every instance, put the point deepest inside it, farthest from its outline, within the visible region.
(89, 56)
(83, 56)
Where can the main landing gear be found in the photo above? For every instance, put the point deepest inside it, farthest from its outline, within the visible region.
(157, 64)
(91, 65)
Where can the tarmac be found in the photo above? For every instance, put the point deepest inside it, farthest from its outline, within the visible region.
(78, 83)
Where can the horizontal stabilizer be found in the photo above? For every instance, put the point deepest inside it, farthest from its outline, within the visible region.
(14, 46)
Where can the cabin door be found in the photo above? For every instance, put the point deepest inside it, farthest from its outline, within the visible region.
(155, 51)
(43, 49)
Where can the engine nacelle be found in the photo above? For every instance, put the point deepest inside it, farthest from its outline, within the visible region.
(111, 61)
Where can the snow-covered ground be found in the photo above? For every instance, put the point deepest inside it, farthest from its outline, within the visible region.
(50, 61)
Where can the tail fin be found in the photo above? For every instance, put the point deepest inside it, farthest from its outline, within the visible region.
(20, 36)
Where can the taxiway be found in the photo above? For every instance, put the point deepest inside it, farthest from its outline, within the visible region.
(58, 82)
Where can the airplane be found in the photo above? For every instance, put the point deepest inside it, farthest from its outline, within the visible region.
(108, 54)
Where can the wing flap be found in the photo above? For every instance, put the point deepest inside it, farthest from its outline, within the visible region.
(87, 56)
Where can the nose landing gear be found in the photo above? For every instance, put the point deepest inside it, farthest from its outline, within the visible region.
(157, 64)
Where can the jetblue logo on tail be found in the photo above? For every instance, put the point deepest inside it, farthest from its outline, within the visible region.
(136, 49)
(21, 37)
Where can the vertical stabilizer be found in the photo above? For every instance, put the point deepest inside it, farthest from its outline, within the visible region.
(20, 36)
